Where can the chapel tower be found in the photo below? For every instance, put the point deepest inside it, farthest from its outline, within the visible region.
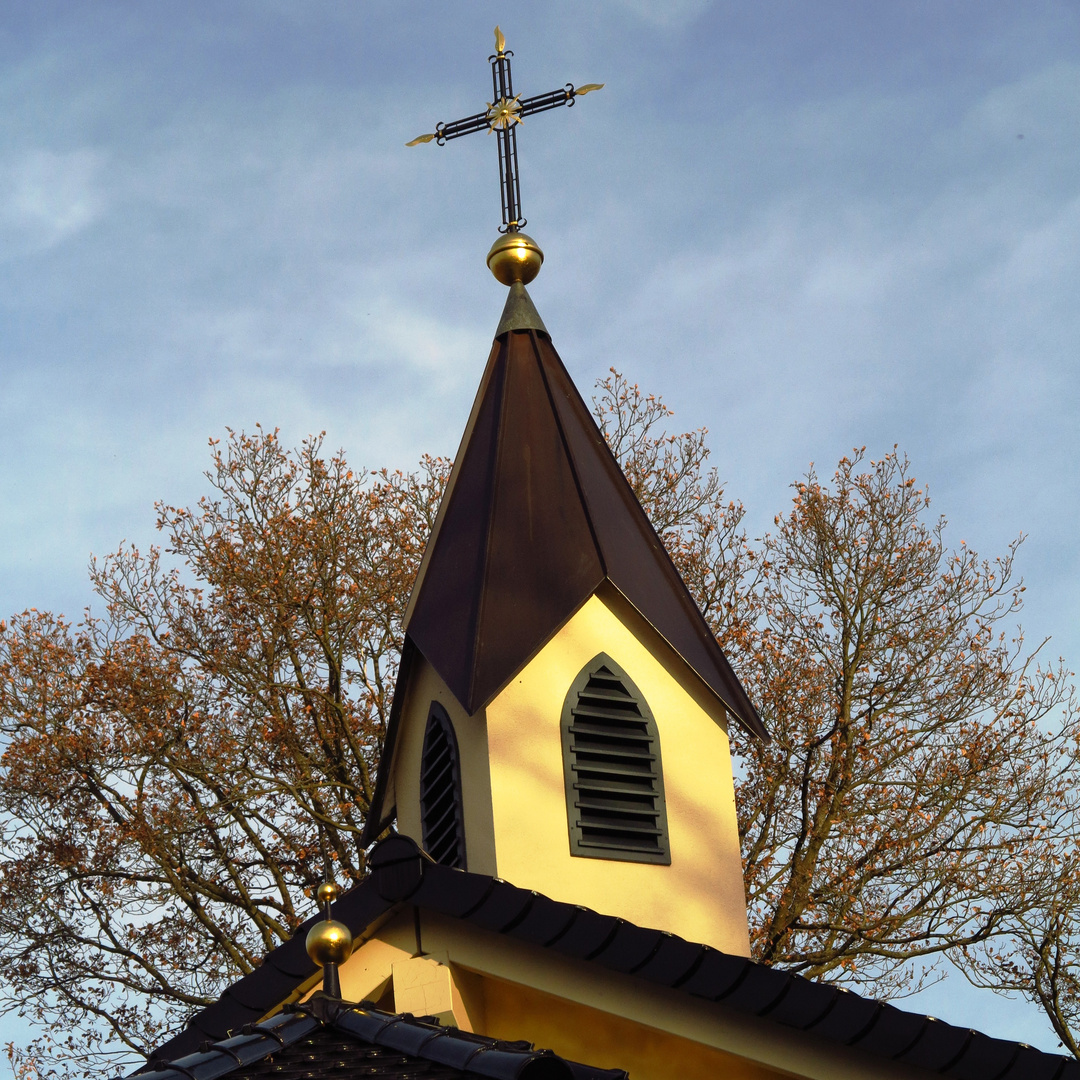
(561, 713)
(562, 898)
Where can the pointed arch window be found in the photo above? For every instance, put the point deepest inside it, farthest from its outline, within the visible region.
(614, 776)
(441, 815)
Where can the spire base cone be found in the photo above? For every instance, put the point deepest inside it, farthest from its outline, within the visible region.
(519, 312)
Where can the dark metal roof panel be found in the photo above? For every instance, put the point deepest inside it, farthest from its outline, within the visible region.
(222, 1018)
(631, 948)
(537, 514)
(1032, 1064)
(849, 1019)
(266, 980)
(503, 907)
(804, 1005)
(514, 556)
(587, 935)
(893, 1033)
(984, 1059)
(544, 921)
(717, 976)
(636, 561)
(673, 961)
(763, 989)
(939, 1046)
(444, 621)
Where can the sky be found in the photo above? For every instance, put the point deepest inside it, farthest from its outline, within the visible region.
(809, 226)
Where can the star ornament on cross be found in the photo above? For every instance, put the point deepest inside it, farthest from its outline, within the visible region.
(503, 116)
(503, 113)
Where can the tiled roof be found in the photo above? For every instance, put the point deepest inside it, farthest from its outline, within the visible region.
(329, 1038)
(401, 872)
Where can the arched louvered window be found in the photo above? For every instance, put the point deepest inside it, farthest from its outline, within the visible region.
(614, 778)
(441, 816)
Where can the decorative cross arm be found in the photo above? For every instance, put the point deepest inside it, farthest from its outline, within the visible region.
(502, 116)
(485, 122)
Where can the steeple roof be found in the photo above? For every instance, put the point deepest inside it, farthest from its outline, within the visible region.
(537, 515)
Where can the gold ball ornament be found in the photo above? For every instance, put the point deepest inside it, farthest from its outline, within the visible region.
(329, 942)
(328, 892)
(515, 257)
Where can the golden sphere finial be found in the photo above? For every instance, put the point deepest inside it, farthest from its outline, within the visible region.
(329, 891)
(329, 942)
(515, 257)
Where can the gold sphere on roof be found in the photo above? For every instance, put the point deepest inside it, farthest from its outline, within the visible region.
(328, 892)
(329, 942)
(515, 257)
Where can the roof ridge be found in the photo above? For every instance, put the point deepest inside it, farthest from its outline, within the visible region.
(403, 873)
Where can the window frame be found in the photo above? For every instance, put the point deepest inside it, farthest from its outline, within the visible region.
(439, 719)
(580, 847)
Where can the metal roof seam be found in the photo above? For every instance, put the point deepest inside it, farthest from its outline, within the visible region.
(869, 1025)
(606, 942)
(692, 970)
(956, 1057)
(566, 929)
(916, 1039)
(522, 915)
(652, 954)
(779, 997)
(748, 966)
(575, 469)
(828, 1009)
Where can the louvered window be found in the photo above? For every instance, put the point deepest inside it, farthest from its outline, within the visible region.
(440, 791)
(614, 779)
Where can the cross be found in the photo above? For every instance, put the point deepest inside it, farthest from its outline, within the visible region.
(502, 116)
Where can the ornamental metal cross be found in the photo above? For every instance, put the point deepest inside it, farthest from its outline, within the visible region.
(502, 116)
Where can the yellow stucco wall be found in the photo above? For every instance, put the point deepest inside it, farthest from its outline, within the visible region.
(509, 989)
(700, 896)
(513, 786)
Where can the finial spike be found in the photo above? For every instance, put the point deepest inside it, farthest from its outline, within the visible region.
(329, 943)
(500, 41)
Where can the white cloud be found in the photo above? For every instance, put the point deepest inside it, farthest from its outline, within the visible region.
(48, 196)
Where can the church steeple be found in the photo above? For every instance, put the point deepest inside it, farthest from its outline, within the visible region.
(537, 514)
(560, 717)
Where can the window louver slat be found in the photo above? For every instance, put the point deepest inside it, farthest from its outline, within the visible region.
(441, 815)
(614, 780)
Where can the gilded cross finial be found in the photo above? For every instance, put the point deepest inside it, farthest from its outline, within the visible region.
(503, 116)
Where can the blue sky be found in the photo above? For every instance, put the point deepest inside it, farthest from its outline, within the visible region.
(810, 226)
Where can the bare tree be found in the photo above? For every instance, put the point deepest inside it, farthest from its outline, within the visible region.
(179, 771)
